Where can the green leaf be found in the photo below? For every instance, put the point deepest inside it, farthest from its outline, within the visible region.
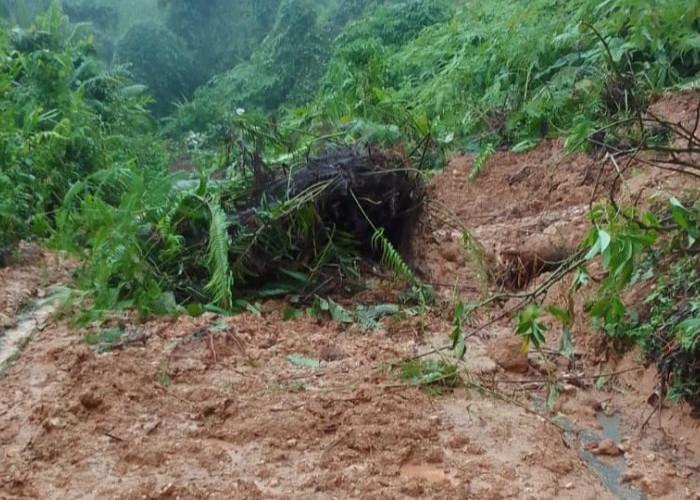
(560, 314)
(457, 337)
(524, 146)
(106, 336)
(299, 360)
(581, 278)
(650, 220)
(290, 313)
(369, 316)
(566, 345)
(690, 326)
(195, 309)
(605, 239)
(338, 312)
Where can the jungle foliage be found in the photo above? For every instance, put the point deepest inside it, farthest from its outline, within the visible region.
(64, 115)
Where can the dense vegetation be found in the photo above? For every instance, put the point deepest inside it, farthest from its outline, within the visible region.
(65, 115)
(240, 86)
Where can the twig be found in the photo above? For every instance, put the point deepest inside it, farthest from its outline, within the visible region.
(567, 378)
(112, 436)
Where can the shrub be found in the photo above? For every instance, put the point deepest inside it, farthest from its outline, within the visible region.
(62, 117)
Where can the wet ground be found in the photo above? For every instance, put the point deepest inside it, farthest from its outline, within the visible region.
(258, 407)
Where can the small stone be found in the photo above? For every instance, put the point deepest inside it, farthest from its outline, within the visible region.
(607, 447)
(52, 423)
(458, 441)
(291, 443)
(629, 476)
(435, 456)
(569, 389)
(6, 322)
(508, 353)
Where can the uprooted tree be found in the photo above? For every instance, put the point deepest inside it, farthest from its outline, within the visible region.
(292, 228)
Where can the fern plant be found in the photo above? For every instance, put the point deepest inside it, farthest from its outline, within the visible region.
(220, 284)
(390, 258)
(483, 156)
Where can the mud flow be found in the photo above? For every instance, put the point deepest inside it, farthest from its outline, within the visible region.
(254, 406)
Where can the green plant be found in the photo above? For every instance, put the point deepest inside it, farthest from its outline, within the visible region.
(432, 376)
(390, 258)
(529, 328)
(621, 244)
(63, 116)
(483, 156)
(457, 337)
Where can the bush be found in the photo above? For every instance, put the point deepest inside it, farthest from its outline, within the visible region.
(505, 73)
(62, 117)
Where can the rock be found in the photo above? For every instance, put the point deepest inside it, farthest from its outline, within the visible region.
(542, 365)
(569, 389)
(591, 445)
(6, 322)
(656, 488)
(630, 475)
(508, 353)
(458, 441)
(607, 447)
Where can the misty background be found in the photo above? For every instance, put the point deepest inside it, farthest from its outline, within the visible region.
(259, 53)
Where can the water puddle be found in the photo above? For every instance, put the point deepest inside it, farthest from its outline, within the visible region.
(12, 340)
(610, 469)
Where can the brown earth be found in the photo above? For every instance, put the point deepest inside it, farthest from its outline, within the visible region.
(213, 407)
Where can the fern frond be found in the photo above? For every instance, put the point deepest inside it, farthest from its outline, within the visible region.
(220, 284)
(485, 153)
(391, 258)
(478, 257)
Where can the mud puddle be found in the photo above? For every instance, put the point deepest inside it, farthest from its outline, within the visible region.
(608, 469)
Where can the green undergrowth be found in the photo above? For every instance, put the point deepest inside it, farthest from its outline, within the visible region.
(657, 254)
(64, 115)
(649, 297)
